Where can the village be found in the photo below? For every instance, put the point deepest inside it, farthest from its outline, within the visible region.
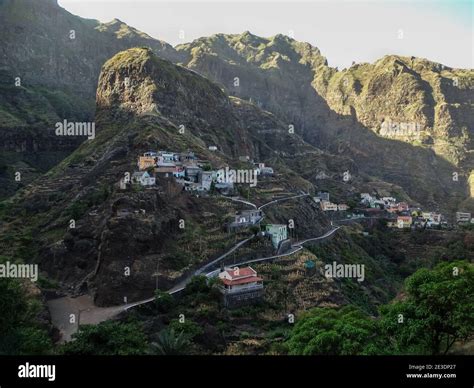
(194, 175)
(242, 285)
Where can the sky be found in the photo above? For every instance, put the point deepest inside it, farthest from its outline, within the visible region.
(344, 31)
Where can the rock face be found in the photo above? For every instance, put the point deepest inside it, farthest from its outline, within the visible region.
(46, 45)
(404, 120)
(48, 72)
(142, 101)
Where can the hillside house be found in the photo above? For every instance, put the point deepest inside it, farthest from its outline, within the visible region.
(240, 286)
(433, 217)
(212, 148)
(165, 172)
(266, 171)
(404, 222)
(342, 207)
(277, 233)
(403, 207)
(205, 179)
(392, 208)
(389, 200)
(167, 159)
(245, 218)
(365, 197)
(192, 172)
(143, 178)
(146, 162)
(179, 172)
(323, 196)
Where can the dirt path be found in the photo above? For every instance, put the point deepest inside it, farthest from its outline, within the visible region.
(67, 313)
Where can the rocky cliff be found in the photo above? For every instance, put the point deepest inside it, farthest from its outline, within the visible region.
(142, 101)
(403, 120)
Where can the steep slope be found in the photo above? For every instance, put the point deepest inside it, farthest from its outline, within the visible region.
(54, 58)
(141, 102)
(292, 80)
(46, 45)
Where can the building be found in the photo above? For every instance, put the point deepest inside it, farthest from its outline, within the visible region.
(323, 196)
(166, 171)
(377, 203)
(277, 232)
(240, 286)
(365, 197)
(143, 178)
(192, 172)
(463, 217)
(212, 148)
(392, 208)
(179, 172)
(403, 207)
(245, 218)
(404, 222)
(342, 207)
(167, 159)
(266, 171)
(389, 200)
(327, 206)
(205, 179)
(434, 218)
(145, 162)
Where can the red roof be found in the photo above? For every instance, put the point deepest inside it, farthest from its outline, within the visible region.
(241, 272)
(251, 279)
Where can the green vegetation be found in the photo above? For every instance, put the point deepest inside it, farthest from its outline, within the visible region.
(108, 338)
(19, 332)
(438, 310)
(169, 343)
(324, 331)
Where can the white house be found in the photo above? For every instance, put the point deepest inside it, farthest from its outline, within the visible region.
(240, 286)
(143, 178)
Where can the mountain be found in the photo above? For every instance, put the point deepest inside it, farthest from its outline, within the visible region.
(367, 112)
(403, 121)
(48, 72)
(142, 102)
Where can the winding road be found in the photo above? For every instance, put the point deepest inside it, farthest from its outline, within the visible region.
(85, 312)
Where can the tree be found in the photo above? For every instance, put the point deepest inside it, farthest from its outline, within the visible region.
(163, 301)
(188, 328)
(19, 334)
(438, 310)
(108, 338)
(169, 343)
(329, 331)
(197, 284)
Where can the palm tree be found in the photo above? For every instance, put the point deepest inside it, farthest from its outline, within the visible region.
(169, 343)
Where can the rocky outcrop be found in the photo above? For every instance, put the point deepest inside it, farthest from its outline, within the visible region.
(401, 120)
